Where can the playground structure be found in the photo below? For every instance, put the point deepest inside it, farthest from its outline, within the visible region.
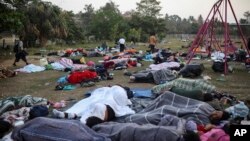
(215, 22)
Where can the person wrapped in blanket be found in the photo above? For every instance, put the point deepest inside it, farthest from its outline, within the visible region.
(168, 117)
(14, 111)
(84, 78)
(104, 104)
(169, 104)
(167, 128)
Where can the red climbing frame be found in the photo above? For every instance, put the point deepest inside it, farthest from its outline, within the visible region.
(209, 27)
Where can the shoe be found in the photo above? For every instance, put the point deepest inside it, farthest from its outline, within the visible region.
(87, 84)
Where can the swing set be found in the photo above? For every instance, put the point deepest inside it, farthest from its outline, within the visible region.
(214, 33)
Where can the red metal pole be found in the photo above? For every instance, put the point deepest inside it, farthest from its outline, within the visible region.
(192, 47)
(225, 37)
(239, 28)
(213, 36)
(229, 39)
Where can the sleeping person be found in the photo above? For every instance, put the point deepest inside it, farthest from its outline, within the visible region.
(170, 103)
(104, 103)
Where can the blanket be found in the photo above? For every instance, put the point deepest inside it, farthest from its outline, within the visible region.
(184, 83)
(68, 63)
(173, 104)
(115, 97)
(134, 132)
(164, 65)
(20, 101)
(156, 76)
(162, 76)
(31, 68)
(41, 129)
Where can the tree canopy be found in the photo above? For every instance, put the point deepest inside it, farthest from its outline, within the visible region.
(41, 21)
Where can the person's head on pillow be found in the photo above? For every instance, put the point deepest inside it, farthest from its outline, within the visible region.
(217, 116)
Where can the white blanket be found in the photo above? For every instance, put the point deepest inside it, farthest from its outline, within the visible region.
(165, 65)
(31, 68)
(115, 97)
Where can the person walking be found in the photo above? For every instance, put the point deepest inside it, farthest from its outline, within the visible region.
(122, 44)
(20, 52)
(152, 42)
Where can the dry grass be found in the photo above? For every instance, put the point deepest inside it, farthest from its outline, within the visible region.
(42, 84)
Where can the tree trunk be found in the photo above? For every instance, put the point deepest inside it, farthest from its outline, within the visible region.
(43, 41)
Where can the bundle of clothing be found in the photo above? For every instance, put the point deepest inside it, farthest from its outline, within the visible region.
(5, 72)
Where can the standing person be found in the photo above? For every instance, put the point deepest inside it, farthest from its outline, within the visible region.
(122, 44)
(20, 52)
(152, 42)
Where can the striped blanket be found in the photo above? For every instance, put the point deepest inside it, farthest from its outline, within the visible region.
(135, 132)
(184, 83)
(172, 104)
(162, 76)
(11, 103)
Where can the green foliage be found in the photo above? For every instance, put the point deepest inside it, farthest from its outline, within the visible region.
(149, 8)
(146, 19)
(11, 15)
(44, 21)
(85, 19)
(75, 32)
(246, 20)
(40, 20)
(107, 22)
(134, 34)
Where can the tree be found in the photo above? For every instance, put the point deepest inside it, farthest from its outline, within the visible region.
(246, 21)
(200, 20)
(147, 18)
(149, 8)
(104, 20)
(134, 35)
(75, 32)
(86, 19)
(11, 15)
(173, 22)
(44, 21)
(247, 16)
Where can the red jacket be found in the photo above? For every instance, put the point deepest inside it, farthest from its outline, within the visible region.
(78, 77)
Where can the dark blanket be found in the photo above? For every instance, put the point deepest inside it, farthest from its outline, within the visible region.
(134, 132)
(47, 129)
(156, 76)
(11, 103)
(173, 104)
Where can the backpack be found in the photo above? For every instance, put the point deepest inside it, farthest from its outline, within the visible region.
(15, 49)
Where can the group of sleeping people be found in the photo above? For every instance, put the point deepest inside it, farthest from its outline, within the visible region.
(189, 119)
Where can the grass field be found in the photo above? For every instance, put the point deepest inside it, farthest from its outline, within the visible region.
(42, 84)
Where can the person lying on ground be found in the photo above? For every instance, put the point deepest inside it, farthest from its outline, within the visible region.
(20, 116)
(153, 76)
(149, 132)
(216, 133)
(172, 104)
(100, 104)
